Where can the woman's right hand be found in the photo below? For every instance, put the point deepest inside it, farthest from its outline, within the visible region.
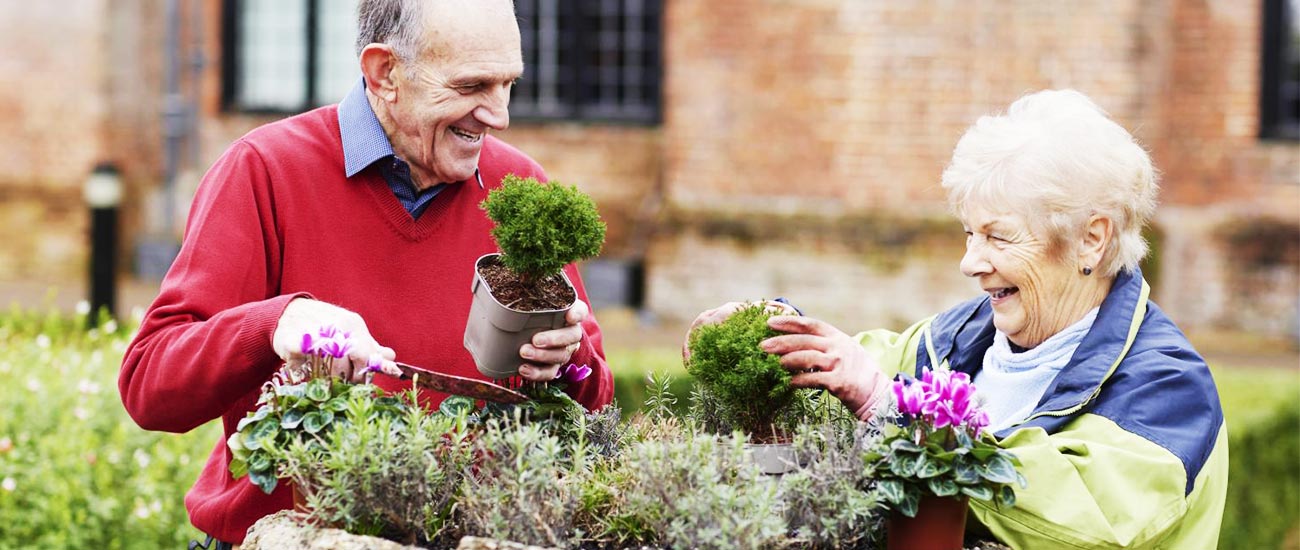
(818, 355)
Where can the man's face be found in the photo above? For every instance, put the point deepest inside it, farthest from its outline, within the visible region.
(456, 89)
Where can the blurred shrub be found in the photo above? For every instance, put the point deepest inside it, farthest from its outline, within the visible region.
(75, 471)
(1263, 482)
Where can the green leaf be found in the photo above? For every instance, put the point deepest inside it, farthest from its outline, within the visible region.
(264, 481)
(905, 466)
(964, 472)
(891, 490)
(236, 444)
(318, 390)
(252, 417)
(931, 467)
(905, 445)
(290, 390)
(337, 404)
(1000, 470)
(983, 453)
(292, 418)
(260, 462)
(456, 405)
(978, 492)
(910, 503)
(943, 487)
(313, 422)
(238, 468)
(1006, 496)
(260, 433)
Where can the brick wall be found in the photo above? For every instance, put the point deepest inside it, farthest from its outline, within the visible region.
(799, 155)
(852, 109)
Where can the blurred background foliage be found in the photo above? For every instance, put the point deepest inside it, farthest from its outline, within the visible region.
(75, 471)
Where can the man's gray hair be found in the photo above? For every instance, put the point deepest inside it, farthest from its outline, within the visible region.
(398, 23)
(1057, 158)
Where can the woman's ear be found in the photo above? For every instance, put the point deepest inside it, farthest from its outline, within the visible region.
(1096, 237)
(378, 66)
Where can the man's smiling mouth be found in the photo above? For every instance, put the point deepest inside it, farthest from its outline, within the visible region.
(467, 136)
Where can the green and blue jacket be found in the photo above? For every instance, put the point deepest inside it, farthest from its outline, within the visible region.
(1127, 448)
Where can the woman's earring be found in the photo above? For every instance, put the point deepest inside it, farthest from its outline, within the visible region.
(1087, 270)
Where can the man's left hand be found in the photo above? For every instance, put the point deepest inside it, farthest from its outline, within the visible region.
(552, 349)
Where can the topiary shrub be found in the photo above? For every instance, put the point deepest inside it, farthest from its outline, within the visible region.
(745, 387)
(542, 227)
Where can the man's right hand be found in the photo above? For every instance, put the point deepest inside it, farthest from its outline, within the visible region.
(307, 316)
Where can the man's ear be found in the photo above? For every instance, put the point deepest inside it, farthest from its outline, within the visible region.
(1096, 237)
(378, 66)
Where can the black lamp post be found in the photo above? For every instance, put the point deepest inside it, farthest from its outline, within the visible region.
(103, 194)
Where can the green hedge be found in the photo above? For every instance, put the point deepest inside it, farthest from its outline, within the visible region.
(75, 471)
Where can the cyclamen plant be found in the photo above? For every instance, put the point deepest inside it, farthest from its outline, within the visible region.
(941, 447)
(301, 402)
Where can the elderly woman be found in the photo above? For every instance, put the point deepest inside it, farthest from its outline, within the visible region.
(1113, 414)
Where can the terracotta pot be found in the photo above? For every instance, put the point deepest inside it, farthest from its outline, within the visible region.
(494, 333)
(940, 524)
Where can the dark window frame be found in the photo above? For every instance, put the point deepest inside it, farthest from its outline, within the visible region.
(578, 59)
(1277, 120)
(230, 55)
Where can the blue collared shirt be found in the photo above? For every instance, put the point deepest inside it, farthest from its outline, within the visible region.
(364, 143)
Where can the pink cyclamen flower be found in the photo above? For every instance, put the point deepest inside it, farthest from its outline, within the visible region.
(909, 397)
(574, 373)
(308, 346)
(375, 363)
(334, 347)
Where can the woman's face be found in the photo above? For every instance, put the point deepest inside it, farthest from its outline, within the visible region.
(1035, 292)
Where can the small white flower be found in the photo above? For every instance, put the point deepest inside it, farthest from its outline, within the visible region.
(80, 413)
(141, 458)
(110, 326)
(43, 341)
(33, 385)
(87, 387)
(83, 307)
(9, 484)
(142, 511)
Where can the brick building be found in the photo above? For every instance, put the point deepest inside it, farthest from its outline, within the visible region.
(738, 148)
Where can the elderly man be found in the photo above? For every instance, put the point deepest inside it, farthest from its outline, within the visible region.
(363, 215)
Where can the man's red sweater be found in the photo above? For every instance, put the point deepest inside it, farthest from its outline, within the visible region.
(276, 218)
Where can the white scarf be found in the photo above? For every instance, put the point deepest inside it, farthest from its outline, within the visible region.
(1012, 383)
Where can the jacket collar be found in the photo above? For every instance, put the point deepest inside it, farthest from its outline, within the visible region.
(961, 336)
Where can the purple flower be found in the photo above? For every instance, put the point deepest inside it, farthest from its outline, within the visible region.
(909, 395)
(941, 398)
(334, 347)
(574, 373)
(375, 363)
(307, 347)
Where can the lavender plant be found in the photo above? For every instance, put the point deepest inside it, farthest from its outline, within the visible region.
(397, 477)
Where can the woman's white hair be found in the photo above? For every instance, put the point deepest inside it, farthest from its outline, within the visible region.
(1057, 158)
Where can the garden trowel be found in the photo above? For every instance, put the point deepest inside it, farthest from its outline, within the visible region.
(459, 385)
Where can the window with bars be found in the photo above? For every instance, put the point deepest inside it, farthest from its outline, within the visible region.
(590, 60)
(287, 55)
(1279, 110)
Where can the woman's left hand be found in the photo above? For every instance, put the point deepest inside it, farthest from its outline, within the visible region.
(822, 356)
